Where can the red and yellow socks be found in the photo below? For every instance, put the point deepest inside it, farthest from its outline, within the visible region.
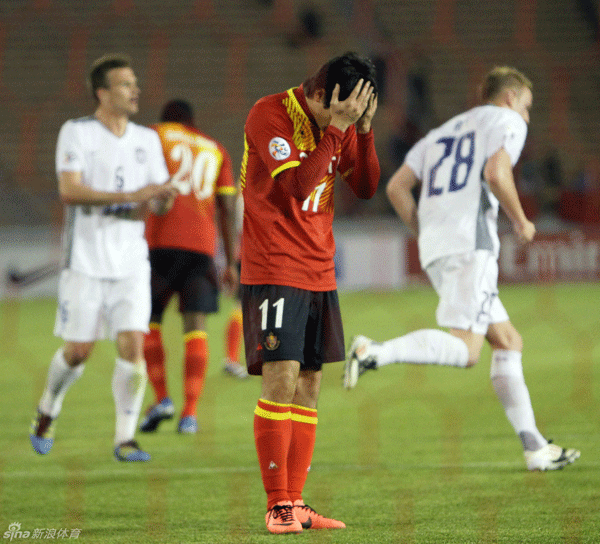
(154, 354)
(285, 439)
(195, 363)
(304, 430)
(233, 336)
(272, 436)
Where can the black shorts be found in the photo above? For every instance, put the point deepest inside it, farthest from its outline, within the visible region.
(285, 323)
(192, 275)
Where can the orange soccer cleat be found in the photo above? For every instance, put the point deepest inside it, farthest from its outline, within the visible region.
(281, 519)
(311, 520)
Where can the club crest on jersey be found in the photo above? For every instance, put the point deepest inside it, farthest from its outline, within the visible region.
(279, 149)
(140, 155)
(271, 342)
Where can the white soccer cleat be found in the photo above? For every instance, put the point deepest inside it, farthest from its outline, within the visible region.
(234, 368)
(358, 361)
(550, 457)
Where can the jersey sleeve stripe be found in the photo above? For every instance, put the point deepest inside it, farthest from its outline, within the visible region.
(345, 174)
(283, 167)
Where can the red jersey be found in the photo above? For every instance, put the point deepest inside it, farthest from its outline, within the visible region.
(287, 179)
(204, 166)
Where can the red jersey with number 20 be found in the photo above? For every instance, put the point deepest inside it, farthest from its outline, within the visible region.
(287, 239)
(201, 166)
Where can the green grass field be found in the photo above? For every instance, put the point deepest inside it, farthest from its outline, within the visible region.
(412, 455)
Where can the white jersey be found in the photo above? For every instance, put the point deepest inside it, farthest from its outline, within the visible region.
(101, 241)
(457, 212)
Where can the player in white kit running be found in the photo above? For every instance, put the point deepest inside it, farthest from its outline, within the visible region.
(110, 171)
(465, 170)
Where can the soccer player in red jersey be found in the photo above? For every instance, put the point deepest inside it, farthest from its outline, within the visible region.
(295, 143)
(182, 249)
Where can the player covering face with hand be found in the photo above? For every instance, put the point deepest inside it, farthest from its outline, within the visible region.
(295, 143)
(465, 170)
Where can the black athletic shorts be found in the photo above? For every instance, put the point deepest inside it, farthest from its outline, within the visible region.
(285, 323)
(192, 275)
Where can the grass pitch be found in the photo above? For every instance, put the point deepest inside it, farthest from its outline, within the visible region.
(412, 455)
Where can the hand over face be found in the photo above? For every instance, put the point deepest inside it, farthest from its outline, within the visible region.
(360, 101)
(363, 125)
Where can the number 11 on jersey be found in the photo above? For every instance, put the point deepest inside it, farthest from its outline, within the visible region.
(315, 196)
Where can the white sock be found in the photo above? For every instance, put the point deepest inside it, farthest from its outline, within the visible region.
(507, 377)
(425, 346)
(128, 385)
(60, 377)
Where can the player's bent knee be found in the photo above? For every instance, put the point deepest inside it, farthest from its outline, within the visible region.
(504, 336)
(75, 353)
(473, 357)
(471, 362)
(308, 389)
(512, 341)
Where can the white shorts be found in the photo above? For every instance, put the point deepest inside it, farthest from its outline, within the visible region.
(467, 284)
(92, 309)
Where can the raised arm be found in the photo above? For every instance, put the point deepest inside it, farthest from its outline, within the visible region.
(302, 180)
(364, 176)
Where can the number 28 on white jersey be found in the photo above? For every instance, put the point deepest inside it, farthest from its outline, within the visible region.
(457, 212)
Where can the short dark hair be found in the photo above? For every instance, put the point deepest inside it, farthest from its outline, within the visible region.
(177, 111)
(97, 76)
(346, 70)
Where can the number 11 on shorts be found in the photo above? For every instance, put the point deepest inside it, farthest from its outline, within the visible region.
(264, 308)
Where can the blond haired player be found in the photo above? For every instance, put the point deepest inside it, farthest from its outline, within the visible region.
(465, 170)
